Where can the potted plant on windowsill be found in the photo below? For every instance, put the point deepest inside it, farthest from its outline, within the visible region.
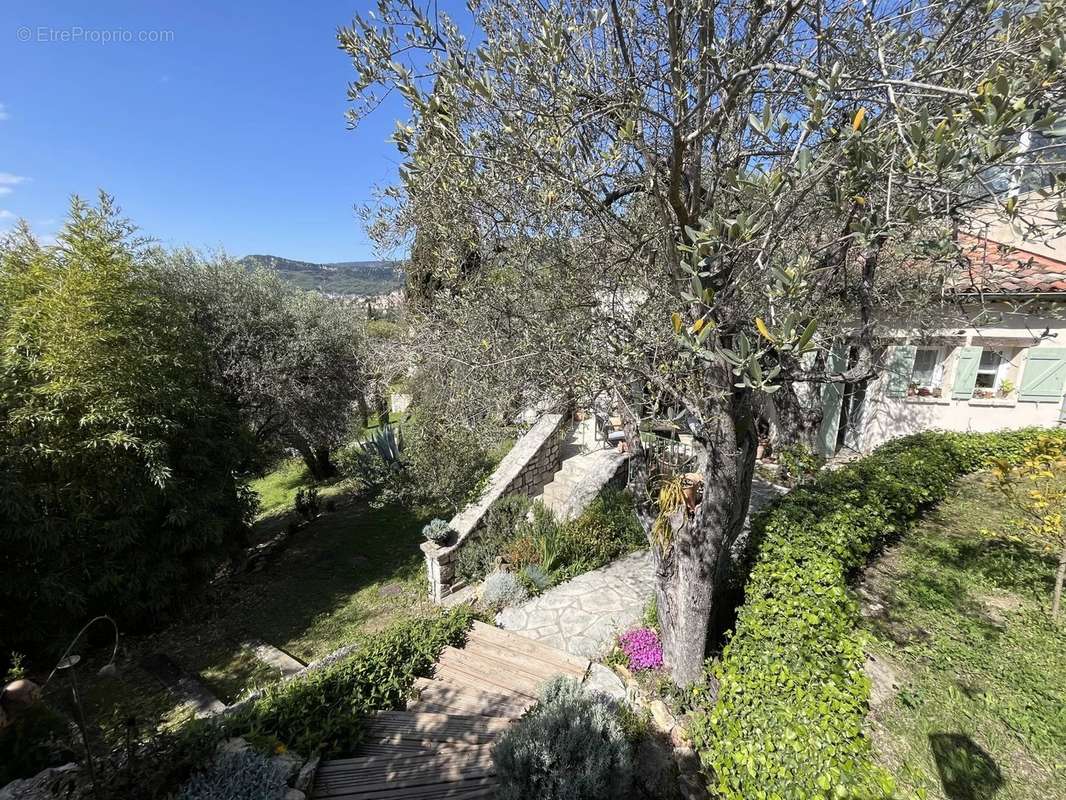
(983, 394)
(1006, 388)
(912, 390)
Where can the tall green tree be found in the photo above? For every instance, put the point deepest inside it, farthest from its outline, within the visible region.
(683, 204)
(293, 362)
(117, 452)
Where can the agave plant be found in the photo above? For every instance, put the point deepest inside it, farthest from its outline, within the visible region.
(385, 446)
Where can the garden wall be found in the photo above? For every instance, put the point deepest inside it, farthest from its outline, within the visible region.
(526, 469)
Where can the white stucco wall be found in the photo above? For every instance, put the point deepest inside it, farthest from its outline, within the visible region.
(885, 418)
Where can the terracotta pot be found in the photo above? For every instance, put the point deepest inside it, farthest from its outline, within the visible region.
(692, 489)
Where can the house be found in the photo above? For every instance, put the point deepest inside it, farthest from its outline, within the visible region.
(1006, 370)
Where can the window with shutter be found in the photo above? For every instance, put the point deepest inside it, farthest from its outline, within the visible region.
(900, 365)
(1045, 375)
(966, 373)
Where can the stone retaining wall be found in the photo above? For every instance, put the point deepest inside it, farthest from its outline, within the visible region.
(526, 469)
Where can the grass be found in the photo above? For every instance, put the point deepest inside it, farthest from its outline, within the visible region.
(346, 574)
(277, 489)
(964, 630)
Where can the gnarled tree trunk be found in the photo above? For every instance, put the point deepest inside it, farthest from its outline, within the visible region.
(692, 573)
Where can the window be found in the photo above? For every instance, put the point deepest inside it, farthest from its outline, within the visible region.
(928, 371)
(990, 370)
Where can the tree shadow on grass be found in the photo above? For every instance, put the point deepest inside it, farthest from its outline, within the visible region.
(966, 771)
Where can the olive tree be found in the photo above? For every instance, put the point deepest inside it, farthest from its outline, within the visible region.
(292, 361)
(689, 205)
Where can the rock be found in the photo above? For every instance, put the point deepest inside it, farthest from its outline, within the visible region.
(288, 764)
(234, 745)
(390, 590)
(294, 794)
(52, 783)
(884, 678)
(306, 778)
(20, 694)
(602, 679)
(661, 716)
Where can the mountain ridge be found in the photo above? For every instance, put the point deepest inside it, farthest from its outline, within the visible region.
(339, 277)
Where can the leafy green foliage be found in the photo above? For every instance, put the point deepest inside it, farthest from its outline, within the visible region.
(798, 464)
(606, 530)
(477, 557)
(117, 452)
(308, 503)
(241, 775)
(438, 531)
(791, 694)
(328, 707)
(571, 746)
(293, 363)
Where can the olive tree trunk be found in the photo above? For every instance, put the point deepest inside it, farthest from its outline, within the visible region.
(692, 572)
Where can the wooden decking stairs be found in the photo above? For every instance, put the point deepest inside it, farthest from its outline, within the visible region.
(441, 746)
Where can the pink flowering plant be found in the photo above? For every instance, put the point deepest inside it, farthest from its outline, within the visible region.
(642, 648)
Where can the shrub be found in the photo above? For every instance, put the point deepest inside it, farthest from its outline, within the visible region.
(798, 464)
(606, 530)
(308, 503)
(521, 551)
(117, 449)
(327, 707)
(642, 648)
(791, 694)
(438, 531)
(479, 554)
(534, 579)
(240, 775)
(503, 589)
(570, 746)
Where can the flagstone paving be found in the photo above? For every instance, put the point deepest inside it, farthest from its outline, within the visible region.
(583, 615)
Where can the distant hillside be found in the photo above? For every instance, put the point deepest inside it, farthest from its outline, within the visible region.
(345, 277)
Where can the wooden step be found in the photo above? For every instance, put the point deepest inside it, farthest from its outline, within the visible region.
(411, 747)
(495, 671)
(536, 668)
(394, 726)
(378, 776)
(495, 659)
(535, 650)
(466, 700)
(460, 675)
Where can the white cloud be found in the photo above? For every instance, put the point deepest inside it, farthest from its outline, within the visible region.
(5, 214)
(7, 179)
(3, 113)
(5, 190)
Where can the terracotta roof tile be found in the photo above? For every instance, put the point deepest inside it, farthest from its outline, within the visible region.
(990, 266)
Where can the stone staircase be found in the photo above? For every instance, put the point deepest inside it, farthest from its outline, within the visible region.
(586, 468)
(441, 745)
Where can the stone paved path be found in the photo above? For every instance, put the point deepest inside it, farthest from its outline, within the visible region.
(583, 615)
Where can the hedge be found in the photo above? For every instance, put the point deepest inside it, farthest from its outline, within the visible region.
(791, 695)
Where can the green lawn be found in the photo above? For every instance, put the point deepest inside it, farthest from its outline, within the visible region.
(347, 573)
(277, 489)
(980, 710)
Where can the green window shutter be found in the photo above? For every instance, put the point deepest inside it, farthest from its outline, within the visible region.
(900, 366)
(1045, 374)
(966, 373)
(832, 396)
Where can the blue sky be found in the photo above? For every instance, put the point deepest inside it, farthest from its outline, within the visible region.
(231, 134)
